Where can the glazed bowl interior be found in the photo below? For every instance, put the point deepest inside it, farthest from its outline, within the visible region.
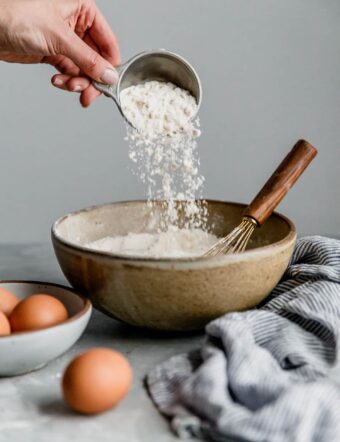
(115, 219)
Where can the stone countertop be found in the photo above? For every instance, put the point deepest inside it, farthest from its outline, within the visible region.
(31, 408)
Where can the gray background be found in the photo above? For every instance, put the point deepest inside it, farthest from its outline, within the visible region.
(270, 73)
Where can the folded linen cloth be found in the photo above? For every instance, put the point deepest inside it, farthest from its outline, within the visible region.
(265, 374)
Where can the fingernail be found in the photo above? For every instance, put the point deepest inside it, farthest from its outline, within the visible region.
(77, 88)
(58, 82)
(110, 76)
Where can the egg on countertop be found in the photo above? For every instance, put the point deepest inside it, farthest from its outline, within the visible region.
(5, 328)
(7, 301)
(37, 312)
(96, 380)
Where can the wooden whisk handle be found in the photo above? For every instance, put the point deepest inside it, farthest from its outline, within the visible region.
(281, 181)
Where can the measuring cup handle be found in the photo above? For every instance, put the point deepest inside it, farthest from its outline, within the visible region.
(111, 90)
(108, 90)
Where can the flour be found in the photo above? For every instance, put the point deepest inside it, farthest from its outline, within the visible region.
(157, 109)
(163, 146)
(174, 243)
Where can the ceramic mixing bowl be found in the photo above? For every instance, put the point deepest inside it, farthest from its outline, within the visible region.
(27, 351)
(170, 294)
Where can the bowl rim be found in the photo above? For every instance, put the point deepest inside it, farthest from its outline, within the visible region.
(291, 236)
(87, 308)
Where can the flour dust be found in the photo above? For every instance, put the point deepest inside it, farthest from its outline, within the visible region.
(162, 141)
(163, 146)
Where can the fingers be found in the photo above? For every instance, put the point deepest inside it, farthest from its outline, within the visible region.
(72, 84)
(71, 79)
(76, 84)
(104, 38)
(88, 96)
(87, 59)
(60, 81)
(63, 64)
(94, 55)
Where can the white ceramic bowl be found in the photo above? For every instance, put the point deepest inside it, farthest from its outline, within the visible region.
(24, 352)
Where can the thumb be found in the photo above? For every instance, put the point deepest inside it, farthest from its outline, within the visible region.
(87, 59)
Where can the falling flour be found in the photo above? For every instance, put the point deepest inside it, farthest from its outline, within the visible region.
(174, 243)
(163, 146)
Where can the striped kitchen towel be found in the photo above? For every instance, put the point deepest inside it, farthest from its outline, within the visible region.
(268, 374)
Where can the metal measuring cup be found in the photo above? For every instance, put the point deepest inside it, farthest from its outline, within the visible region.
(160, 65)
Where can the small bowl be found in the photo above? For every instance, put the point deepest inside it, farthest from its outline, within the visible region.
(170, 294)
(27, 351)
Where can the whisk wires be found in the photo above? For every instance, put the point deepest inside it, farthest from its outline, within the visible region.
(236, 241)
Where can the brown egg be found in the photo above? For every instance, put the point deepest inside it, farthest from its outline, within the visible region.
(7, 301)
(5, 328)
(96, 380)
(36, 312)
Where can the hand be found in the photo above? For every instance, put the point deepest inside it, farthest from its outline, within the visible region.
(71, 35)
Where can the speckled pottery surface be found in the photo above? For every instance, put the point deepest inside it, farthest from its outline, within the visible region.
(27, 351)
(170, 294)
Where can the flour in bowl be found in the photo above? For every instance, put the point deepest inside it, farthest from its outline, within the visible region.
(163, 146)
(174, 243)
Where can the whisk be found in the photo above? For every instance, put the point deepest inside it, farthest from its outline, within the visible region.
(266, 200)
